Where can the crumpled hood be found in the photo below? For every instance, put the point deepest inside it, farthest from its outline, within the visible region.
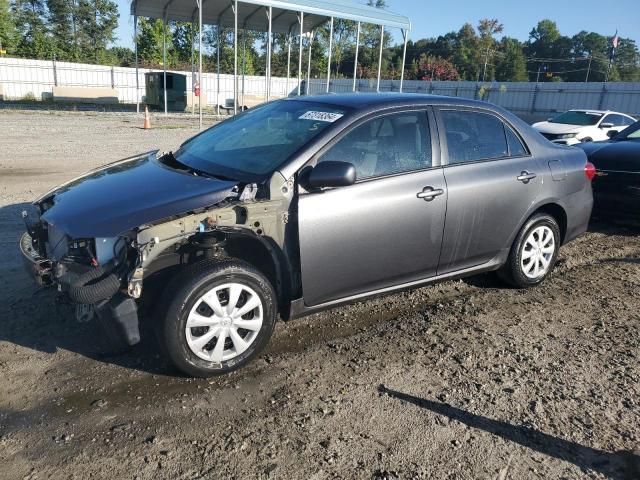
(114, 199)
(556, 128)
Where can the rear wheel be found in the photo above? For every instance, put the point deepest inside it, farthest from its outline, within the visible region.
(220, 315)
(534, 252)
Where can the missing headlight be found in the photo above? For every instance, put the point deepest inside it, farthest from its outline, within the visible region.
(82, 251)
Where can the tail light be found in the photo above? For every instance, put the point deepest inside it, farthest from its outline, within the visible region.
(590, 171)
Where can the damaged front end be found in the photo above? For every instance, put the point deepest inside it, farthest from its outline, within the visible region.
(98, 246)
(91, 273)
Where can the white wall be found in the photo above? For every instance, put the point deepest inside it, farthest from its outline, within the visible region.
(525, 98)
(22, 77)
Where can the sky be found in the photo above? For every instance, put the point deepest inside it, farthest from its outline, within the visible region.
(434, 18)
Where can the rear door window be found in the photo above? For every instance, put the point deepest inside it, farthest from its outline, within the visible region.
(474, 136)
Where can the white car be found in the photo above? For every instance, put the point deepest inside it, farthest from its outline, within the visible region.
(577, 126)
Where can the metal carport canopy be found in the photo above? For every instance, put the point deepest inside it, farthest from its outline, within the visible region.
(285, 13)
(282, 16)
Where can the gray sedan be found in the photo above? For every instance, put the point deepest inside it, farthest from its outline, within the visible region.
(305, 204)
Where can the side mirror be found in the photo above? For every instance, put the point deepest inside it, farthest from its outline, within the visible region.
(606, 125)
(331, 174)
(612, 133)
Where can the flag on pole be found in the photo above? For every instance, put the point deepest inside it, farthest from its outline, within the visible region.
(616, 40)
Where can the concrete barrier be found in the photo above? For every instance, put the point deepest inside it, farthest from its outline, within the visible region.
(85, 95)
(247, 101)
(193, 100)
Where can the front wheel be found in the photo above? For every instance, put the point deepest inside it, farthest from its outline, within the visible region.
(534, 252)
(220, 315)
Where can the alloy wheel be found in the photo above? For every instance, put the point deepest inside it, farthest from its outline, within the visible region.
(537, 252)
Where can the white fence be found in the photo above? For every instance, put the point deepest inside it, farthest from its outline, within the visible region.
(524, 98)
(26, 78)
(22, 78)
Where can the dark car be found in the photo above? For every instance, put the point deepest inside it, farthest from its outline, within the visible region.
(301, 205)
(616, 189)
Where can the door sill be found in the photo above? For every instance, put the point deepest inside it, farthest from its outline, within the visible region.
(300, 309)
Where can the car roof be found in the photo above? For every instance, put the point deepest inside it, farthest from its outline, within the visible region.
(361, 101)
(603, 112)
(589, 110)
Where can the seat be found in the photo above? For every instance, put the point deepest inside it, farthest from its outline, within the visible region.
(404, 152)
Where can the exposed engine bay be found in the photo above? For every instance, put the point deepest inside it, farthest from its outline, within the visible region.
(105, 275)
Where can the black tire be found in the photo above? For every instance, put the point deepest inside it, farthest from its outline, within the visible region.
(186, 289)
(512, 272)
(587, 140)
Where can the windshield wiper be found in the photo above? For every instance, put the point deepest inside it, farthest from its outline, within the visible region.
(173, 162)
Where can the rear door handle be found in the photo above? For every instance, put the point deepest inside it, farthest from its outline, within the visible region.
(525, 177)
(430, 193)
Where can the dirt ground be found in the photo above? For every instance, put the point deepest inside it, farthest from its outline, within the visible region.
(463, 380)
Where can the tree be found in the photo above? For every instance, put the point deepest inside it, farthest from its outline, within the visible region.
(84, 30)
(370, 53)
(344, 35)
(590, 57)
(182, 43)
(122, 56)
(8, 31)
(466, 54)
(63, 27)
(436, 68)
(150, 42)
(627, 62)
(545, 32)
(248, 57)
(511, 65)
(97, 21)
(487, 28)
(279, 56)
(549, 51)
(34, 40)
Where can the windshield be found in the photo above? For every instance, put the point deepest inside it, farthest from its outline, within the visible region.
(630, 133)
(577, 118)
(254, 144)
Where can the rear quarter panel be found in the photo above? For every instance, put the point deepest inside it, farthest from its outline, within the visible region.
(564, 182)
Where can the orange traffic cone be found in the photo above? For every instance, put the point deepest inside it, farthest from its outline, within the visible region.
(147, 119)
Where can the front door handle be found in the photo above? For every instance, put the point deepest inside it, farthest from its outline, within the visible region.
(525, 177)
(430, 193)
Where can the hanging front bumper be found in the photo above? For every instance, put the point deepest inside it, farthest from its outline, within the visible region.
(38, 267)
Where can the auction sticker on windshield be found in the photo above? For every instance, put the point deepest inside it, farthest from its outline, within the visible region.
(321, 116)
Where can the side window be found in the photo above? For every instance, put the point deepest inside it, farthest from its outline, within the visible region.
(516, 148)
(626, 121)
(386, 145)
(474, 136)
(616, 120)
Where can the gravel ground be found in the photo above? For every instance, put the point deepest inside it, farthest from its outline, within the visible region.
(463, 380)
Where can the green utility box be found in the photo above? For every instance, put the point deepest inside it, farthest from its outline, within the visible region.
(176, 91)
